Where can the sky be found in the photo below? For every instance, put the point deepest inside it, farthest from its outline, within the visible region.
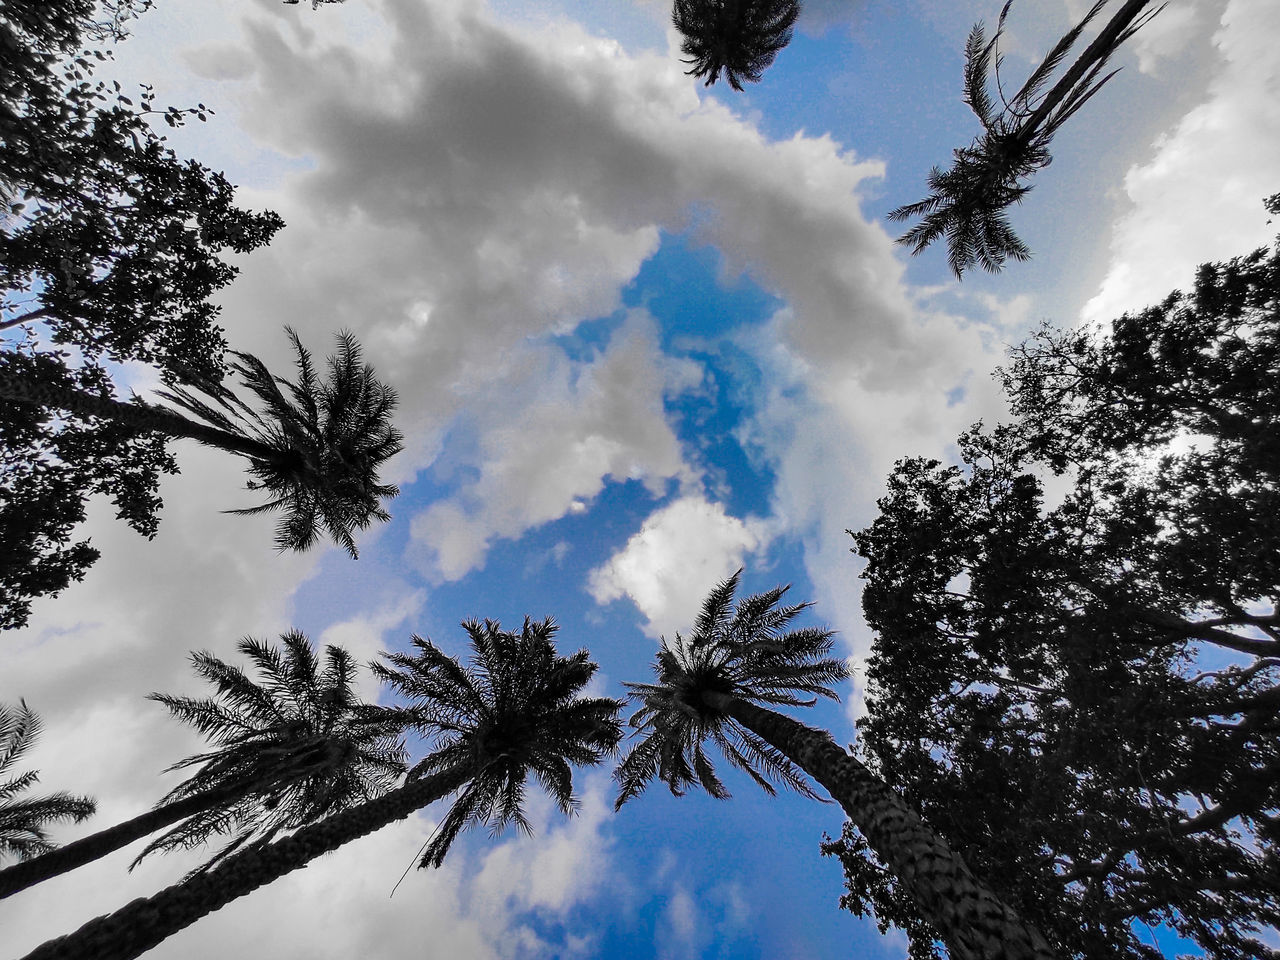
(644, 333)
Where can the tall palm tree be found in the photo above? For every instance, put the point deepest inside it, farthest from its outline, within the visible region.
(23, 819)
(711, 685)
(738, 37)
(314, 446)
(291, 748)
(516, 709)
(967, 203)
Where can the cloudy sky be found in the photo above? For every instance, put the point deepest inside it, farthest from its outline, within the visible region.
(644, 333)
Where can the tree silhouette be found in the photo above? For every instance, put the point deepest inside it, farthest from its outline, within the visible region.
(292, 747)
(111, 250)
(517, 709)
(315, 446)
(1081, 689)
(967, 203)
(738, 38)
(23, 820)
(710, 687)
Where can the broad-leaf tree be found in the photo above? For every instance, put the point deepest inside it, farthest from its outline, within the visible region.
(719, 684)
(1080, 691)
(314, 445)
(738, 38)
(515, 710)
(967, 203)
(110, 249)
(24, 820)
(290, 748)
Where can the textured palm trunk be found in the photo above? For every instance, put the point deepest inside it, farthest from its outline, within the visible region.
(144, 923)
(972, 921)
(20, 876)
(139, 417)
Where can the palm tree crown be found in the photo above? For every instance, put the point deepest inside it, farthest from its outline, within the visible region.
(713, 684)
(315, 446)
(515, 710)
(967, 203)
(744, 652)
(738, 37)
(297, 745)
(23, 820)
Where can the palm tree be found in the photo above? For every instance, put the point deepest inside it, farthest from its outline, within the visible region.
(315, 447)
(23, 819)
(517, 709)
(292, 748)
(967, 203)
(710, 686)
(738, 37)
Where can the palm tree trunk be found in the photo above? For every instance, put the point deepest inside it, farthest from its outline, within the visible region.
(28, 873)
(972, 921)
(146, 922)
(139, 417)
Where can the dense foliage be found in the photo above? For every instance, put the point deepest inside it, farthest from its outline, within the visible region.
(1075, 670)
(738, 38)
(110, 248)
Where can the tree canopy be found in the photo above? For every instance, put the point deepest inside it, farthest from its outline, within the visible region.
(1074, 675)
(110, 248)
(967, 202)
(737, 38)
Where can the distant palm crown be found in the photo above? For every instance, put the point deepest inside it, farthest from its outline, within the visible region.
(320, 443)
(516, 709)
(967, 203)
(737, 37)
(299, 741)
(744, 652)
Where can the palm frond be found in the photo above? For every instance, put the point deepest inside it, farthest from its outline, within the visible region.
(746, 651)
(24, 820)
(966, 204)
(293, 746)
(513, 710)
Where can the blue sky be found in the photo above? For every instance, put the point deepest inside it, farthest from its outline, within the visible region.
(645, 332)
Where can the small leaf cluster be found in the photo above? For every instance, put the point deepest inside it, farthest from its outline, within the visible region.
(967, 203)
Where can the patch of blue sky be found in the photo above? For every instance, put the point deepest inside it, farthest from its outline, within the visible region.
(684, 286)
(760, 851)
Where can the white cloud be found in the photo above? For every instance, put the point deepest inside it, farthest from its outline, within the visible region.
(1199, 196)
(364, 635)
(564, 866)
(515, 181)
(551, 437)
(679, 552)
(682, 917)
